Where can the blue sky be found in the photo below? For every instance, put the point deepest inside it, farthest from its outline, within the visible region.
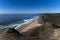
(29, 6)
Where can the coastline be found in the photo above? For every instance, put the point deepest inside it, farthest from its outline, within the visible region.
(31, 24)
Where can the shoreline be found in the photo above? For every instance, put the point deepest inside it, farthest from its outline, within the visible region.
(27, 22)
(29, 26)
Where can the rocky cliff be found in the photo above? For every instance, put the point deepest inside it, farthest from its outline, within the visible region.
(51, 18)
(9, 34)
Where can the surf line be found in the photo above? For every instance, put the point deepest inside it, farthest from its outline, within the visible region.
(27, 22)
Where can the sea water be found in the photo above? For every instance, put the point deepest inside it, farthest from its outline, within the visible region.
(11, 20)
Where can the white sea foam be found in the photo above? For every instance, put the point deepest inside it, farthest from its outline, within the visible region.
(27, 21)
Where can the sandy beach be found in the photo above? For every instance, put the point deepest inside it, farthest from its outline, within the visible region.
(27, 27)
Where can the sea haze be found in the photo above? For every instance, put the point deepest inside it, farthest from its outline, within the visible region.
(6, 19)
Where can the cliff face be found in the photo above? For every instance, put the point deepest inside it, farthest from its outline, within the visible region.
(51, 18)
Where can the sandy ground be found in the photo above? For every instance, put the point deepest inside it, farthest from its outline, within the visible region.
(29, 26)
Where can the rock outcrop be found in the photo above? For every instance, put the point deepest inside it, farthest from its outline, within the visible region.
(51, 18)
(9, 34)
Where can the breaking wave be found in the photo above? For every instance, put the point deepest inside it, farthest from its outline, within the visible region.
(18, 25)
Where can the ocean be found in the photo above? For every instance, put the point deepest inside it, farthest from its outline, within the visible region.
(11, 20)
